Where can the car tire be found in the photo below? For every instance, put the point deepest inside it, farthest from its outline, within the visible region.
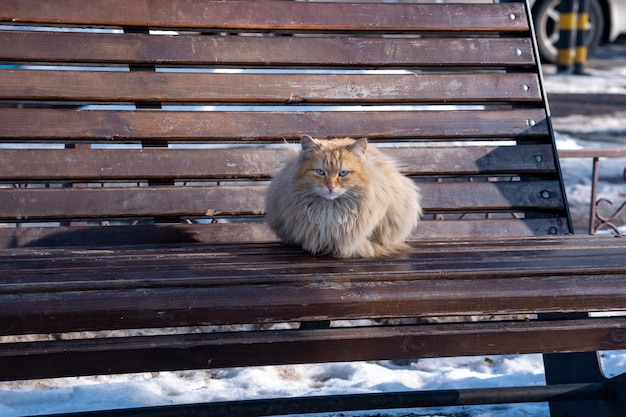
(546, 21)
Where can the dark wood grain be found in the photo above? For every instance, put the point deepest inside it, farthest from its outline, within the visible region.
(254, 163)
(218, 265)
(119, 126)
(212, 285)
(354, 52)
(123, 355)
(271, 15)
(95, 236)
(268, 88)
(224, 200)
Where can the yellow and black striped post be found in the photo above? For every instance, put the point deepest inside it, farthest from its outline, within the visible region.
(573, 29)
(582, 26)
(567, 35)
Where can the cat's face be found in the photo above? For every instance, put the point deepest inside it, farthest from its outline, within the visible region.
(331, 169)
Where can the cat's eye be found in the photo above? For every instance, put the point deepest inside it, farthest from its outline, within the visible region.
(320, 172)
(343, 173)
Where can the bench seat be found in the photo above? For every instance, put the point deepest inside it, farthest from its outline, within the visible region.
(137, 140)
(60, 290)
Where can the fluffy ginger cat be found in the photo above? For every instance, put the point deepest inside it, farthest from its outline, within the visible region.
(344, 199)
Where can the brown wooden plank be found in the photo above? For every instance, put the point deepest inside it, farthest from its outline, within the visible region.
(139, 164)
(491, 228)
(119, 126)
(61, 236)
(196, 289)
(212, 266)
(178, 266)
(13, 237)
(271, 15)
(76, 203)
(178, 352)
(133, 202)
(233, 304)
(264, 51)
(267, 88)
(143, 235)
(218, 268)
(532, 195)
(185, 164)
(195, 266)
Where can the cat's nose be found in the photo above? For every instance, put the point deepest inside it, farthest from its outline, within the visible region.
(330, 187)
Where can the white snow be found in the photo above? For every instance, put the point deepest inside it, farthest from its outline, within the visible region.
(579, 131)
(91, 393)
(78, 394)
(599, 81)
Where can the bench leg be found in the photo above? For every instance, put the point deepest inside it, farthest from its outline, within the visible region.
(572, 368)
(616, 394)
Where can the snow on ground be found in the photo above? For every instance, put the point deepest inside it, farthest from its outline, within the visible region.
(92, 393)
(592, 131)
(600, 80)
(80, 394)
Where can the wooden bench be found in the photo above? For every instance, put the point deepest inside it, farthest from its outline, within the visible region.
(137, 143)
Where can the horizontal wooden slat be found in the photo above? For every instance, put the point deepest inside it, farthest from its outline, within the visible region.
(124, 202)
(229, 262)
(64, 203)
(215, 284)
(270, 15)
(490, 227)
(217, 350)
(264, 51)
(184, 164)
(60, 236)
(116, 125)
(267, 88)
(532, 195)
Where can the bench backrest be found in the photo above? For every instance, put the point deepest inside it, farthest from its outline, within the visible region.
(176, 113)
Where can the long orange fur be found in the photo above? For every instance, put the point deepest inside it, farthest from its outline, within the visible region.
(343, 198)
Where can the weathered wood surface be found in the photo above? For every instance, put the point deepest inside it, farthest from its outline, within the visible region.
(118, 126)
(217, 350)
(246, 232)
(76, 289)
(245, 163)
(489, 69)
(55, 290)
(268, 88)
(263, 51)
(272, 15)
(116, 202)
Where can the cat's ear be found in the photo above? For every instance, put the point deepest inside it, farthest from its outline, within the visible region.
(359, 147)
(308, 143)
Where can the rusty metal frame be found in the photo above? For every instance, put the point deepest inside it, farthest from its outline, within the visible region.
(598, 221)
